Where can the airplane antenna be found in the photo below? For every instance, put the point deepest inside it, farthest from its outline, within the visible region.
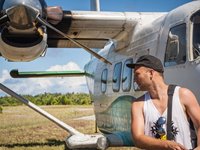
(95, 5)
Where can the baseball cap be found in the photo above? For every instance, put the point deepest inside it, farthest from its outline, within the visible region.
(148, 61)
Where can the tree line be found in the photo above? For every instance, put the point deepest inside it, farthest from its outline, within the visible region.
(50, 99)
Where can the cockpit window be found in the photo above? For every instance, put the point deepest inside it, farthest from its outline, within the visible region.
(176, 46)
(196, 35)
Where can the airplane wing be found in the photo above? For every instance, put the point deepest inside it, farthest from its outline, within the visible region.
(94, 29)
(27, 29)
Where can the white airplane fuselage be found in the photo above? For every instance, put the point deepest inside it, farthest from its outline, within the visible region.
(173, 37)
(168, 36)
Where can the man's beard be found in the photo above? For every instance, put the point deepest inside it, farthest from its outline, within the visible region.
(138, 87)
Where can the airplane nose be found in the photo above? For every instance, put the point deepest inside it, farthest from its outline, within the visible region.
(22, 17)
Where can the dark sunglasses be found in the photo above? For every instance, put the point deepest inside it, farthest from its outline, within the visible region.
(159, 125)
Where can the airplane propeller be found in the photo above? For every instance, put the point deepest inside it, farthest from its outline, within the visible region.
(23, 25)
(45, 23)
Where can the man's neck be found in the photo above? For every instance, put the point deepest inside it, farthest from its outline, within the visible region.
(158, 90)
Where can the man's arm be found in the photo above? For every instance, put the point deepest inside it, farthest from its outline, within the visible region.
(143, 141)
(192, 107)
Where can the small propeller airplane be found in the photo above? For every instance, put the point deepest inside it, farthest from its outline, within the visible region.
(28, 27)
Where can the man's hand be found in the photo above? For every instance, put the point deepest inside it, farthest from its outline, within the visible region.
(171, 145)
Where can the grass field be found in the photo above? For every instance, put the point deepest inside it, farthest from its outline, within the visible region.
(21, 128)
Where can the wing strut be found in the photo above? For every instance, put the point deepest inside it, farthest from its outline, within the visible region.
(66, 127)
(74, 41)
(76, 139)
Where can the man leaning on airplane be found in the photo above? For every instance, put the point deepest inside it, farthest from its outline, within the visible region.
(149, 112)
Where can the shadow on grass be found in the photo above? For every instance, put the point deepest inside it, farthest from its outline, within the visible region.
(51, 142)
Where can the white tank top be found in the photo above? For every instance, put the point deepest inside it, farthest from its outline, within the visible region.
(179, 118)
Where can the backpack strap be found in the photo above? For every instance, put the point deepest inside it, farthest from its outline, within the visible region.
(170, 93)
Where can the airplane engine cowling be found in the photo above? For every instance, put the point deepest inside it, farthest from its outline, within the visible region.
(22, 48)
(22, 38)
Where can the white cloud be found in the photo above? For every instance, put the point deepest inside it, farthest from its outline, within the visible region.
(5, 76)
(34, 86)
(69, 66)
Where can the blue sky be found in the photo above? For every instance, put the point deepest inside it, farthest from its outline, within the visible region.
(72, 59)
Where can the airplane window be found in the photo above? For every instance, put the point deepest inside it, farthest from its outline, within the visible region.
(104, 77)
(196, 40)
(196, 35)
(176, 46)
(127, 76)
(117, 77)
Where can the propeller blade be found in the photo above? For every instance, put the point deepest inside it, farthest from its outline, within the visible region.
(74, 41)
(3, 20)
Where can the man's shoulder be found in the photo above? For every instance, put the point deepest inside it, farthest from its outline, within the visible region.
(182, 90)
(138, 103)
(186, 96)
(140, 99)
(185, 91)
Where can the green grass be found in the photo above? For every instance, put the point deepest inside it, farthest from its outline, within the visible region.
(21, 128)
